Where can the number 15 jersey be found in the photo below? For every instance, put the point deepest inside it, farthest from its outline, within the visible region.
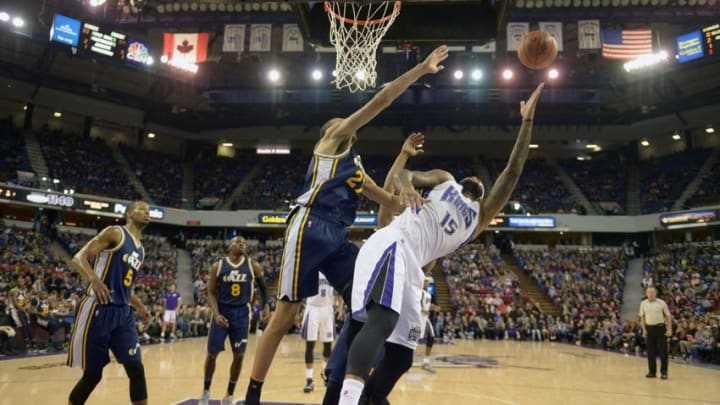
(441, 226)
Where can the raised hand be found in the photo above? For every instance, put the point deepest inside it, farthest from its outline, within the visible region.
(432, 63)
(413, 145)
(527, 108)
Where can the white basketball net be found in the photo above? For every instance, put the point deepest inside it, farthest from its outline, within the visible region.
(355, 32)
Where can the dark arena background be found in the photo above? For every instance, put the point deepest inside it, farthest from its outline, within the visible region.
(209, 110)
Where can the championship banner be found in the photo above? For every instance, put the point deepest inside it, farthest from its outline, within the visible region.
(292, 38)
(515, 33)
(260, 37)
(554, 29)
(234, 38)
(589, 34)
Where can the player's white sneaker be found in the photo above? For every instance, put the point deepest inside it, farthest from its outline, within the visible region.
(205, 399)
(227, 401)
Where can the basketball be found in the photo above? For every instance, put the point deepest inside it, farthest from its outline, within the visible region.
(537, 50)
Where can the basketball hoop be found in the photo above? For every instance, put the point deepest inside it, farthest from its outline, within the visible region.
(356, 31)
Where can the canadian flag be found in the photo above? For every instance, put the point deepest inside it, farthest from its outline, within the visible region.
(188, 48)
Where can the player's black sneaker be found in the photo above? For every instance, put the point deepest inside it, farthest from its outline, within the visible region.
(309, 386)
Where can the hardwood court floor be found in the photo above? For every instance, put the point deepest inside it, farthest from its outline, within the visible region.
(469, 372)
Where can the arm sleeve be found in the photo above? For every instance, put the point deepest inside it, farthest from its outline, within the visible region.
(263, 289)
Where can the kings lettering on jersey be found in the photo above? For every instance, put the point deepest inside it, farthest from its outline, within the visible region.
(453, 196)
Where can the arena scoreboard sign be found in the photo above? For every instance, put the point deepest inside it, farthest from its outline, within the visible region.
(104, 42)
(698, 44)
(65, 30)
(688, 218)
(279, 218)
(50, 199)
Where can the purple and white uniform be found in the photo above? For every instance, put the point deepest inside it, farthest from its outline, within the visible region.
(388, 270)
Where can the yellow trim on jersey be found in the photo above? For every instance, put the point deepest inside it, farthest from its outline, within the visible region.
(87, 329)
(282, 259)
(298, 249)
(75, 328)
(316, 165)
(107, 266)
(314, 194)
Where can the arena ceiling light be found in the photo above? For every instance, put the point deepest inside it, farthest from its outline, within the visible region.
(646, 61)
(553, 74)
(676, 136)
(96, 3)
(476, 74)
(534, 146)
(710, 130)
(507, 74)
(645, 143)
(591, 146)
(459, 74)
(57, 114)
(151, 135)
(227, 144)
(18, 22)
(274, 75)
(4, 17)
(317, 75)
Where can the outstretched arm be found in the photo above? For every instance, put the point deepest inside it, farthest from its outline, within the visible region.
(408, 181)
(412, 146)
(506, 182)
(346, 128)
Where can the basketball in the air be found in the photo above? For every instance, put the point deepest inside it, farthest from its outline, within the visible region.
(537, 50)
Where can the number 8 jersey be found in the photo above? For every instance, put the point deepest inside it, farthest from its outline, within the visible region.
(441, 226)
(332, 185)
(236, 283)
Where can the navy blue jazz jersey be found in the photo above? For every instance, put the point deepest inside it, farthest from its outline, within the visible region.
(332, 185)
(236, 285)
(99, 328)
(316, 234)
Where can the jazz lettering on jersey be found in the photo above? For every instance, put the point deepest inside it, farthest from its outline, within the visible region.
(133, 260)
(453, 196)
(235, 276)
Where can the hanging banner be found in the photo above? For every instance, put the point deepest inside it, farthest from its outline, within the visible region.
(515, 33)
(234, 38)
(260, 37)
(589, 34)
(554, 29)
(292, 38)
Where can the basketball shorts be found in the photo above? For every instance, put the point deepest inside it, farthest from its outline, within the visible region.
(387, 273)
(239, 324)
(427, 329)
(314, 243)
(170, 316)
(318, 324)
(99, 329)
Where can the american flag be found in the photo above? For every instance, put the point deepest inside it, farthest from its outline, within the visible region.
(626, 44)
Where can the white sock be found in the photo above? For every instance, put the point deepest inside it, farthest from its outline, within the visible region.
(350, 392)
(426, 360)
(309, 373)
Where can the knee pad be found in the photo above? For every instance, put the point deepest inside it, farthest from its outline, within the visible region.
(85, 387)
(327, 349)
(430, 341)
(138, 387)
(309, 347)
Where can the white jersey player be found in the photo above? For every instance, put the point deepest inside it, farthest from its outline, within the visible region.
(388, 270)
(388, 279)
(318, 324)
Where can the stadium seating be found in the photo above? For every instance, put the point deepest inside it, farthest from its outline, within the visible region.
(84, 165)
(162, 175)
(662, 180)
(709, 190)
(602, 179)
(279, 181)
(217, 177)
(14, 156)
(539, 188)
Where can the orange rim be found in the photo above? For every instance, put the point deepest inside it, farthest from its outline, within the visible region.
(395, 12)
